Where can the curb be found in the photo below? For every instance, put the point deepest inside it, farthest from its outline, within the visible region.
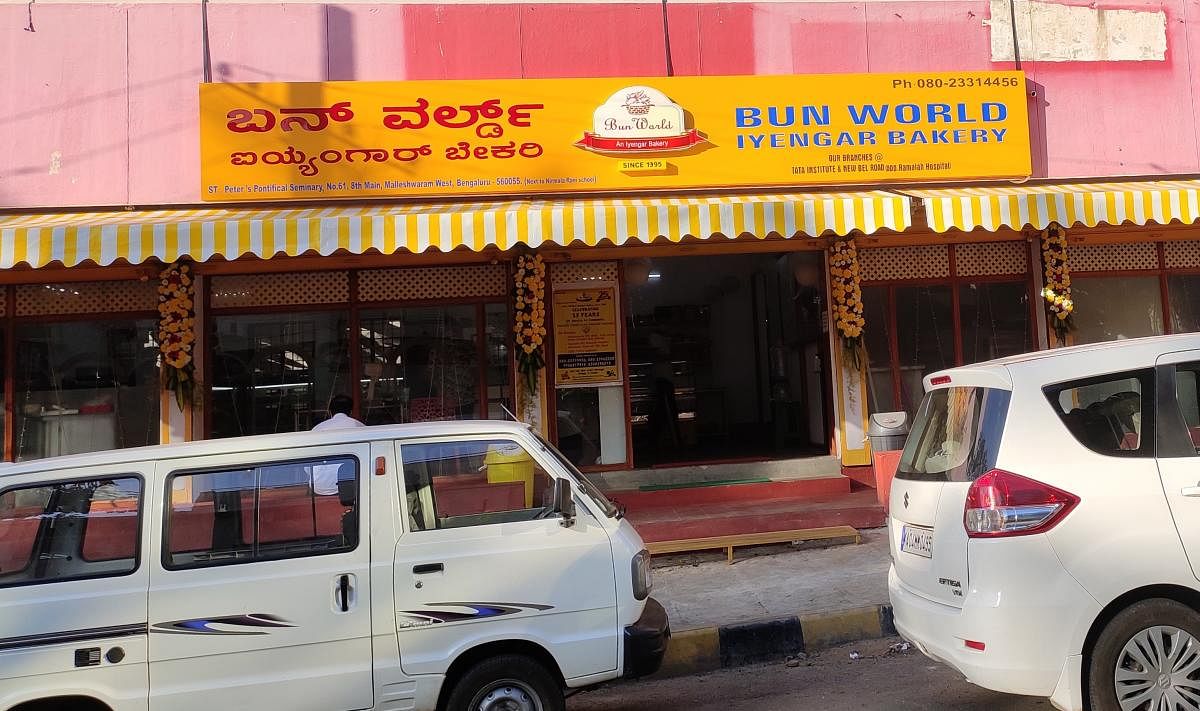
(710, 648)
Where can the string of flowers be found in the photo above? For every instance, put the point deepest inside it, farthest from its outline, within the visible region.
(1057, 293)
(176, 330)
(530, 308)
(845, 276)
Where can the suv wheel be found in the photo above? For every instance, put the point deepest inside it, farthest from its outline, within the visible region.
(509, 682)
(1147, 659)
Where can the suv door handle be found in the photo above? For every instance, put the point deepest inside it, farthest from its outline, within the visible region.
(1190, 491)
(428, 568)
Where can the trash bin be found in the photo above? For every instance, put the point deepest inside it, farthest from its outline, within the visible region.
(506, 463)
(887, 431)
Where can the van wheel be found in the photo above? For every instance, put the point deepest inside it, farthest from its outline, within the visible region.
(1147, 658)
(509, 682)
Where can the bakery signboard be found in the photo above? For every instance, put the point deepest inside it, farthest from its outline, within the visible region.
(275, 141)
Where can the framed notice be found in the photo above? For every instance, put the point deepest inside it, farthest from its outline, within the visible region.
(586, 341)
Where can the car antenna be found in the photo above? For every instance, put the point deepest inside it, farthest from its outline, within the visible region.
(508, 412)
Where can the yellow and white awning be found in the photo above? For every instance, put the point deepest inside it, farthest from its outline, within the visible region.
(137, 236)
(990, 208)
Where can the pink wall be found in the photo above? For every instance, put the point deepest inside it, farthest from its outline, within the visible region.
(98, 102)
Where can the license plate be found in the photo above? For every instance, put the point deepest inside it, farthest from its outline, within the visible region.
(917, 540)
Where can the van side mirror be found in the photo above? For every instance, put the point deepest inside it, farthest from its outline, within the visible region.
(564, 501)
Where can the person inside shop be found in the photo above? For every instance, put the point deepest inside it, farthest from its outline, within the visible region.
(325, 476)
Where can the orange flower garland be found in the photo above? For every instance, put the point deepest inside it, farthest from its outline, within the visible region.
(177, 330)
(530, 308)
(844, 278)
(1057, 293)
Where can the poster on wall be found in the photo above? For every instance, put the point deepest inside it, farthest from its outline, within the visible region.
(322, 140)
(586, 344)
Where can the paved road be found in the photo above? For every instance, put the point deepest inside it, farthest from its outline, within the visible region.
(829, 681)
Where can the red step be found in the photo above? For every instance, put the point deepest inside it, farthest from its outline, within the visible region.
(727, 493)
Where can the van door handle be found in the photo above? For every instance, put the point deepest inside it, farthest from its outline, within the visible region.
(427, 568)
(344, 592)
(1190, 491)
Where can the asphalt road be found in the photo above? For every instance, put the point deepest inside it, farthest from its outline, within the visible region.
(829, 681)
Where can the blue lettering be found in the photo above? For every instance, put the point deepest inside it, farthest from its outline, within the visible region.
(845, 139)
(822, 138)
(994, 112)
(866, 138)
(939, 136)
(811, 115)
(877, 114)
(747, 117)
(978, 135)
(798, 140)
(941, 111)
(789, 116)
(999, 134)
(908, 113)
(896, 138)
(963, 116)
(777, 140)
(918, 137)
(960, 135)
(756, 139)
(741, 141)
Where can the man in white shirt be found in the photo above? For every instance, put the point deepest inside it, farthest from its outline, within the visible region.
(325, 476)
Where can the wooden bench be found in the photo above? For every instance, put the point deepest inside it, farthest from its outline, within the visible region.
(730, 542)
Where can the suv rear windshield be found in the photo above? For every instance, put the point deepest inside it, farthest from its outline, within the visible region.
(956, 435)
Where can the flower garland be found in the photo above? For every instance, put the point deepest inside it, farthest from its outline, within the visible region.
(176, 330)
(1058, 281)
(845, 275)
(530, 309)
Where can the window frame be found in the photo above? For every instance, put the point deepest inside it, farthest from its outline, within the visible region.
(168, 484)
(39, 538)
(1146, 377)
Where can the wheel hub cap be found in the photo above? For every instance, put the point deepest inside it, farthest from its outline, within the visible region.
(507, 696)
(1158, 669)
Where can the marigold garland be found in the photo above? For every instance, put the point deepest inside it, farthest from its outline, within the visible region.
(177, 330)
(1057, 293)
(530, 309)
(845, 275)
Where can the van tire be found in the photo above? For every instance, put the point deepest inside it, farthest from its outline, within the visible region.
(529, 681)
(1120, 631)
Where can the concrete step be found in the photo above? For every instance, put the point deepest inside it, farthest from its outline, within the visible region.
(819, 467)
(637, 500)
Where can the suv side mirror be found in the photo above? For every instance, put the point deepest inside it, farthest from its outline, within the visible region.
(564, 501)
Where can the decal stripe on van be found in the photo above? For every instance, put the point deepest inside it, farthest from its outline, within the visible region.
(81, 635)
(256, 623)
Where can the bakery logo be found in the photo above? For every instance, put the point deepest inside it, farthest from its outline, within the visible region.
(639, 119)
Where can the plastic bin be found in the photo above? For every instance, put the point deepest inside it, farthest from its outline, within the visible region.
(505, 463)
(887, 431)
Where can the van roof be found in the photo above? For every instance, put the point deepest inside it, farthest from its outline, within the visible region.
(1087, 359)
(256, 443)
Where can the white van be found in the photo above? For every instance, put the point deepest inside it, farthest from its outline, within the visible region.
(1045, 525)
(454, 565)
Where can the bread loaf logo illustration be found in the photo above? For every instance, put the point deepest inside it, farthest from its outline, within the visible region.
(639, 119)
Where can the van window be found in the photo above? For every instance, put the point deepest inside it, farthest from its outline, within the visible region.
(280, 510)
(69, 530)
(1109, 414)
(473, 483)
(955, 435)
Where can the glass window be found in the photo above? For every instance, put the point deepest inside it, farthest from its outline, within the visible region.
(85, 386)
(1105, 414)
(277, 372)
(956, 435)
(284, 510)
(995, 320)
(474, 483)
(499, 381)
(421, 364)
(1183, 291)
(69, 530)
(1114, 308)
(925, 334)
(877, 337)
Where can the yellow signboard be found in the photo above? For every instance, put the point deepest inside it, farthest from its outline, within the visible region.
(586, 350)
(277, 141)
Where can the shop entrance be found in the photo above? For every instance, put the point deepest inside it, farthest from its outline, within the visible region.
(728, 358)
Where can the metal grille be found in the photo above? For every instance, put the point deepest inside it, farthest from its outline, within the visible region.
(571, 272)
(1181, 255)
(893, 263)
(990, 258)
(1109, 257)
(280, 289)
(432, 283)
(92, 297)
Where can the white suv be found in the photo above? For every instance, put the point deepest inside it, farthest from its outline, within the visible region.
(1045, 525)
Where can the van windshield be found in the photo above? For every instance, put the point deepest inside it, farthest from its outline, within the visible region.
(956, 435)
(610, 509)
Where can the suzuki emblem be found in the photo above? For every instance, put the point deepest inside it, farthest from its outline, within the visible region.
(906, 500)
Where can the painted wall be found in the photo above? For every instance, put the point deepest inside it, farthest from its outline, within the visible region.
(98, 101)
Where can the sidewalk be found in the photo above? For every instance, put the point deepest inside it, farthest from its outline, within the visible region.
(772, 607)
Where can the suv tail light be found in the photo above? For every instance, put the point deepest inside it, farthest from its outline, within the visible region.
(1001, 503)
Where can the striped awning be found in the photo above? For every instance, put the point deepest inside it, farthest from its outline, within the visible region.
(137, 236)
(991, 208)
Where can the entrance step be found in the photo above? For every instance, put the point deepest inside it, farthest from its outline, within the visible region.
(860, 510)
(719, 493)
(819, 467)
